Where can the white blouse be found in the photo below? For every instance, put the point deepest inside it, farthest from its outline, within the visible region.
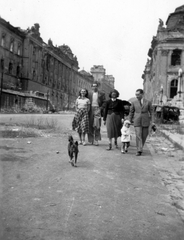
(82, 103)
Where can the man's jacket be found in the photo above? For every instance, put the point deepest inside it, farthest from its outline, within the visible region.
(141, 115)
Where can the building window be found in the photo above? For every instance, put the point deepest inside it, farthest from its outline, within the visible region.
(173, 88)
(3, 40)
(18, 49)
(18, 71)
(34, 74)
(10, 68)
(34, 50)
(48, 62)
(12, 45)
(2, 64)
(176, 57)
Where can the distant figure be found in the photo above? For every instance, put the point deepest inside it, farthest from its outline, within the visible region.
(97, 99)
(141, 114)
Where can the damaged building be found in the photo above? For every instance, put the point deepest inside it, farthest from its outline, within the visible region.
(38, 76)
(164, 70)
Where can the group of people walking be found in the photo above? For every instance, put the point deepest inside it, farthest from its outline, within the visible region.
(92, 107)
(89, 110)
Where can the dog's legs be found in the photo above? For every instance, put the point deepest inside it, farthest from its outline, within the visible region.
(75, 163)
(72, 162)
(70, 158)
(69, 152)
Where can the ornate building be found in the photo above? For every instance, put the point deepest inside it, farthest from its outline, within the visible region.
(106, 82)
(36, 75)
(163, 74)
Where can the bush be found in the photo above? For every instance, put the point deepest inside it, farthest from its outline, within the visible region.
(42, 123)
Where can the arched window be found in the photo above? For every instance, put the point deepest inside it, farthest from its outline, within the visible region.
(19, 49)
(173, 88)
(12, 45)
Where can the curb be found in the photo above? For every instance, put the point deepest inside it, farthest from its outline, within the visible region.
(170, 139)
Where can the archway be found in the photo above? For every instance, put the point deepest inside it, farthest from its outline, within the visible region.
(173, 88)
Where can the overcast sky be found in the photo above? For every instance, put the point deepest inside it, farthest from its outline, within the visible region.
(114, 33)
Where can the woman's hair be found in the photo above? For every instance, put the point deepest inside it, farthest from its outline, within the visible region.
(114, 91)
(86, 95)
(140, 91)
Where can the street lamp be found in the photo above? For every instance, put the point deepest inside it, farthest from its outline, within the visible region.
(180, 73)
(2, 73)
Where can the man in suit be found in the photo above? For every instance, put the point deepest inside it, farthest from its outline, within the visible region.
(141, 114)
(97, 99)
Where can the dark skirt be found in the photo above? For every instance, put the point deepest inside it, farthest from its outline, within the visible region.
(81, 121)
(113, 124)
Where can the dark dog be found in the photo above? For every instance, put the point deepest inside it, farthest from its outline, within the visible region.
(73, 151)
(154, 128)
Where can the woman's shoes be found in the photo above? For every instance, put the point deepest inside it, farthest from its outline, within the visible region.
(80, 142)
(138, 153)
(110, 147)
(96, 143)
(116, 144)
(84, 143)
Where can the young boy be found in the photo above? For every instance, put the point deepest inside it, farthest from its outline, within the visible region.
(125, 136)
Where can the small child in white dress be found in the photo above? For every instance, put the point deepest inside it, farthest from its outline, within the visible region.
(125, 136)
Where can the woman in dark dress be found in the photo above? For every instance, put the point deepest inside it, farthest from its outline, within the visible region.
(113, 117)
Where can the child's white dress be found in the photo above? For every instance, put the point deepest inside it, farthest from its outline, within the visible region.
(125, 134)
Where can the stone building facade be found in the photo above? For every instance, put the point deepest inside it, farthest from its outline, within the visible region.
(163, 74)
(35, 74)
(106, 82)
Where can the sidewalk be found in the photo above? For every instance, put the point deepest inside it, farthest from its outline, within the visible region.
(173, 136)
(108, 196)
(166, 148)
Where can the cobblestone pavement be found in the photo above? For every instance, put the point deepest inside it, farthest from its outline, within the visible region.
(169, 160)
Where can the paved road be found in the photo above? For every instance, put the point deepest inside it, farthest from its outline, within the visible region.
(109, 196)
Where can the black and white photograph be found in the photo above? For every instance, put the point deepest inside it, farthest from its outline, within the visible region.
(91, 120)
